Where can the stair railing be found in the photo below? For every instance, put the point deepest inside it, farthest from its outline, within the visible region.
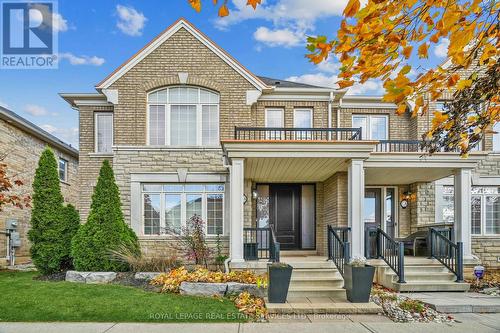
(274, 246)
(448, 253)
(338, 246)
(392, 252)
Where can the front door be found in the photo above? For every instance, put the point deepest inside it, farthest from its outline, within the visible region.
(372, 220)
(285, 214)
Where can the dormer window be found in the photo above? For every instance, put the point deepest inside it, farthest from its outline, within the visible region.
(183, 116)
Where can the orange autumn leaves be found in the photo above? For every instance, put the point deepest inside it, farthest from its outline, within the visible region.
(377, 40)
(223, 9)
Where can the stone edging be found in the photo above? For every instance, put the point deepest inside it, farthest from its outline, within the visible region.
(104, 277)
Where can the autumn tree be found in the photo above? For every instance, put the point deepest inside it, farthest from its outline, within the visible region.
(8, 183)
(390, 40)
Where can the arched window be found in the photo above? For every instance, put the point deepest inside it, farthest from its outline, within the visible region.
(183, 116)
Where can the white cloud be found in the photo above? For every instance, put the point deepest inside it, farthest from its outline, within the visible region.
(278, 37)
(81, 60)
(59, 23)
(370, 87)
(300, 13)
(317, 79)
(291, 20)
(68, 135)
(130, 21)
(441, 49)
(35, 110)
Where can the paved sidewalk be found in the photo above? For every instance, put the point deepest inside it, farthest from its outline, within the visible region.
(459, 302)
(477, 323)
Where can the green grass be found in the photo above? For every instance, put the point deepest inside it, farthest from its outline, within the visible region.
(25, 299)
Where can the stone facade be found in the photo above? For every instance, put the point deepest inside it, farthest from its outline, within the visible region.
(184, 53)
(22, 151)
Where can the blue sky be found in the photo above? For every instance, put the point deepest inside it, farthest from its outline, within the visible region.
(96, 36)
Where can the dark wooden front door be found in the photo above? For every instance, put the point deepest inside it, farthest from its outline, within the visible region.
(285, 214)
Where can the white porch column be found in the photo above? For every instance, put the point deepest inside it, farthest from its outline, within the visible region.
(463, 209)
(356, 198)
(237, 172)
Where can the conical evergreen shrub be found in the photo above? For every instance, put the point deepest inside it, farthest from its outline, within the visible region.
(105, 229)
(52, 225)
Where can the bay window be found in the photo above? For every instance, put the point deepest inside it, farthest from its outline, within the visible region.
(183, 116)
(167, 207)
(485, 208)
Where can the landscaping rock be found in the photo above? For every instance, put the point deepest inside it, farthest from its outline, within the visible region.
(100, 277)
(75, 276)
(203, 289)
(237, 288)
(146, 276)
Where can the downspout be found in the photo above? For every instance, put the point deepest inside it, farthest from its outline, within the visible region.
(338, 112)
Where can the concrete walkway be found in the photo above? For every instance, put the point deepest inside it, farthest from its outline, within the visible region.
(349, 324)
(459, 302)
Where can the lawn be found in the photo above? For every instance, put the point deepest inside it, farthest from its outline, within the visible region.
(25, 299)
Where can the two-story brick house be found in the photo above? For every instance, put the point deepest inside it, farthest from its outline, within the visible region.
(21, 145)
(189, 130)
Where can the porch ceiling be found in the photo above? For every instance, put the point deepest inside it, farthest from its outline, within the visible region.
(408, 168)
(285, 170)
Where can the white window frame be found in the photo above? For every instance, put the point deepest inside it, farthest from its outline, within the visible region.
(368, 136)
(96, 143)
(496, 128)
(310, 110)
(439, 198)
(383, 193)
(65, 169)
(281, 110)
(168, 109)
(183, 195)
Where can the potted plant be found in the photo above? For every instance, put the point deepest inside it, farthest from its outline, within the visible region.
(279, 281)
(358, 280)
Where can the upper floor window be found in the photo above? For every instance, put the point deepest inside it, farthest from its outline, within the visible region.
(373, 127)
(63, 170)
(496, 138)
(183, 116)
(103, 132)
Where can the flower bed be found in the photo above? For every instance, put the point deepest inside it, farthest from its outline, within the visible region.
(244, 288)
(403, 309)
(489, 284)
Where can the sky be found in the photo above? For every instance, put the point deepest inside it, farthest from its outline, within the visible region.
(96, 36)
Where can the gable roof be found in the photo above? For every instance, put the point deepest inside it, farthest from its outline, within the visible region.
(166, 34)
(27, 126)
(287, 84)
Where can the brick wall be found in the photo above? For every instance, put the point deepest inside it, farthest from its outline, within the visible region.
(320, 112)
(23, 151)
(488, 250)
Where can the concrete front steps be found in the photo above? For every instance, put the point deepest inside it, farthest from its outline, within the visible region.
(313, 276)
(421, 275)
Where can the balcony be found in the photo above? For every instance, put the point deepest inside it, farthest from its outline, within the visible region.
(296, 134)
(400, 146)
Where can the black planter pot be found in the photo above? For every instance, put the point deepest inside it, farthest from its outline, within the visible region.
(358, 283)
(250, 251)
(279, 281)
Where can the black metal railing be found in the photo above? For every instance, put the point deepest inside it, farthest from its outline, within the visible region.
(275, 247)
(392, 252)
(447, 252)
(399, 146)
(260, 243)
(296, 134)
(338, 246)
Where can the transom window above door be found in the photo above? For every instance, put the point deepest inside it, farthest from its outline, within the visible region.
(183, 116)
(373, 127)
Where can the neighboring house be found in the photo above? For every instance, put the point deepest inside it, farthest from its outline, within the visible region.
(189, 130)
(21, 144)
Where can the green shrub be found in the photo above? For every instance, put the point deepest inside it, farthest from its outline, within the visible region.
(105, 230)
(412, 305)
(52, 224)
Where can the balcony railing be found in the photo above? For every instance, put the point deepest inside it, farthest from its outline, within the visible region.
(296, 134)
(399, 146)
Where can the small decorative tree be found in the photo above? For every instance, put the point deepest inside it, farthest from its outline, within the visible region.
(52, 224)
(192, 241)
(105, 230)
